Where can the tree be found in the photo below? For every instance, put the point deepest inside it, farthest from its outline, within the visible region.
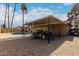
(8, 16)
(4, 25)
(13, 15)
(23, 8)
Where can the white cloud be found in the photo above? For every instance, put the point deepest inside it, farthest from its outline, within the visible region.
(62, 17)
(2, 15)
(67, 4)
(60, 7)
(2, 8)
(33, 14)
(37, 13)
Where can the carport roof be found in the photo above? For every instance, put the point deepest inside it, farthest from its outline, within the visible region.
(43, 20)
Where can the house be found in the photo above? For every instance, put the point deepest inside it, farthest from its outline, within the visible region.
(17, 29)
(49, 23)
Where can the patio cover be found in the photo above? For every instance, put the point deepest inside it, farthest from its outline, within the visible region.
(44, 21)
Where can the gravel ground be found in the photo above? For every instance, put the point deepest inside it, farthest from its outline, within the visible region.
(26, 46)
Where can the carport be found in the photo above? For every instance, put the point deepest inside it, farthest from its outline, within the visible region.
(49, 23)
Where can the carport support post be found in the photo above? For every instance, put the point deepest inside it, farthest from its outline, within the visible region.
(48, 30)
(31, 28)
(59, 30)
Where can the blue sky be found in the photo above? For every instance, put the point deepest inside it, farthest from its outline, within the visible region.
(56, 7)
(36, 11)
(60, 7)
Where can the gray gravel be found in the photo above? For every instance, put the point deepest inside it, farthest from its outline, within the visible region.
(26, 46)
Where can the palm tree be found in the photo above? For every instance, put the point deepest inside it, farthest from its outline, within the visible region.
(23, 8)
(13, 15)
(5, 16)
(8, 16)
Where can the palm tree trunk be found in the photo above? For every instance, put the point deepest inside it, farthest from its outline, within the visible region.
(13, 16)
(8, 17)
(23, 22)
(5, 15)
(23, 8)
